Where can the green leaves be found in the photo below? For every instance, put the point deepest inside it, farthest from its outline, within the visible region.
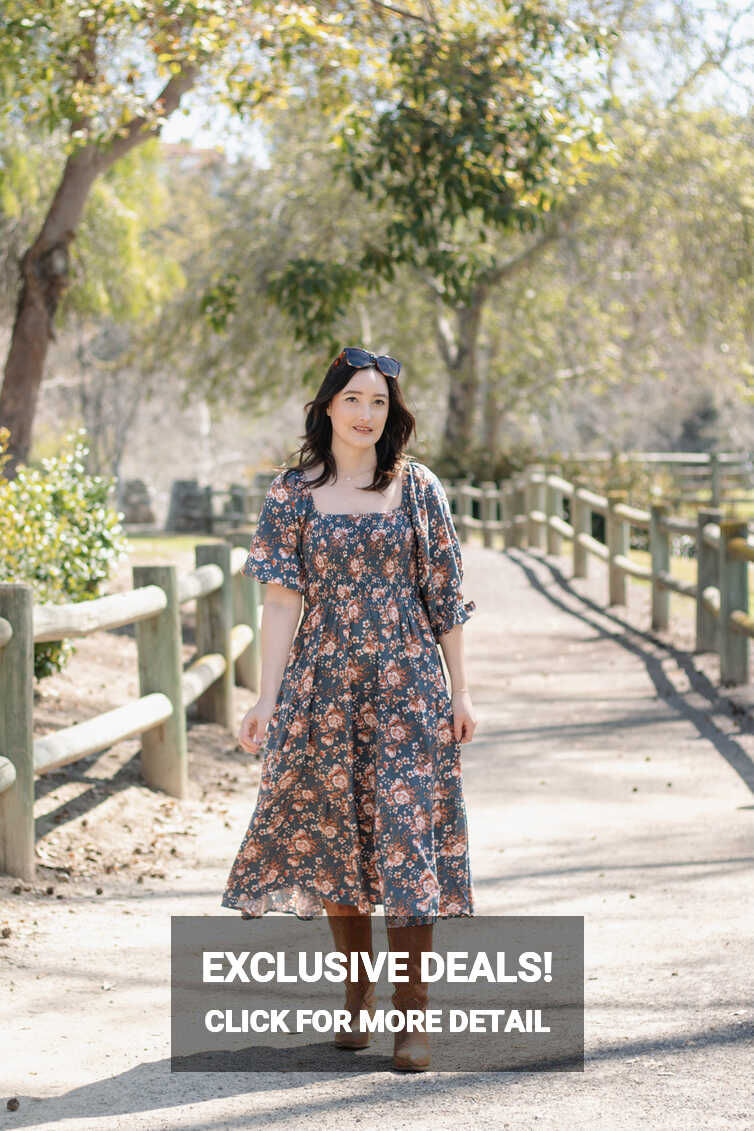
(58, 533)
(473, 136)
(219, 301)
(93, 68)
(314, 293)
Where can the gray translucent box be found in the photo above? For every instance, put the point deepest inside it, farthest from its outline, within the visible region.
(509, 995)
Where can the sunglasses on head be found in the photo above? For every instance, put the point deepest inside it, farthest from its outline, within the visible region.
(362, 359)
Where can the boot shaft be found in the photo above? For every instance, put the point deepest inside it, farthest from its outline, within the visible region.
(353, 934)
(415, 940)
(411, 1050)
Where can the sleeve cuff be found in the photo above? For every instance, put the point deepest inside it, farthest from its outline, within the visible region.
(459, 615)
(267, 571)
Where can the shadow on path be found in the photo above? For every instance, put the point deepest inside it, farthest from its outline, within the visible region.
(635, 641)
(152, 1087)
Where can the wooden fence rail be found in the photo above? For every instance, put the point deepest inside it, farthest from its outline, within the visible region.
(227, 636)
(527, 510)
(531, 513)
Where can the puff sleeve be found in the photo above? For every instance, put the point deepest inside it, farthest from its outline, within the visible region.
(447, 607)
(274, 553)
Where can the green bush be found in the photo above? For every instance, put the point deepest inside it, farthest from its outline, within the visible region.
(58, 533)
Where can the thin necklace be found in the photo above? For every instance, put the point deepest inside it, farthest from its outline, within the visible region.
(371, 471)
(357, 473)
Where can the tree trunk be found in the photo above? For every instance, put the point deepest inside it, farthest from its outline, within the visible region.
(493, 419)
(45, 274)
(45, 268)
(492, 407)
(464, 382)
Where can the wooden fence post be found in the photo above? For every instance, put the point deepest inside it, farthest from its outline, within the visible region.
(581, 521)
(246, 606)
(554, 507)
(214, 622)
(617, 543)
(507, 510)
(238, 504)
(714, 468)
(465, 505)
(529, 499)
(659, 549)
(164, 756)
(707, 573)
(488, 511)
(16, 732)
(537, 537)
(520, 505)
(734, 594)
(207, 510)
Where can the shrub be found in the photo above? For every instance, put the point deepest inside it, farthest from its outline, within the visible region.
(58, 533)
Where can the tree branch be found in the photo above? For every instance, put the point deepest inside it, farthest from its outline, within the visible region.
(141, 128)
(505, 270)
(713, 59)
(406, 15)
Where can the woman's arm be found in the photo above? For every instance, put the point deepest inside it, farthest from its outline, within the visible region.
(464, 718)
(281, 611)
(453, 651)
(274, 558)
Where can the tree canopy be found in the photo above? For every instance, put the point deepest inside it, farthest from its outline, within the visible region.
(477, 130)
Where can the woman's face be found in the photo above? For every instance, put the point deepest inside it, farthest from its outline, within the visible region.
(359, 411)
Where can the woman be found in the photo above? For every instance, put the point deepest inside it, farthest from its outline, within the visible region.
(360, 799)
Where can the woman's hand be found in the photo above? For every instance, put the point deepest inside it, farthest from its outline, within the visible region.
(464, 719)
(254, 723)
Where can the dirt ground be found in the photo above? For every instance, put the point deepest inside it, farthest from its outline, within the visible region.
(99, 828)
(610, 777)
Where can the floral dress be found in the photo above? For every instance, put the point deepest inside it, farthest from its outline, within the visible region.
(360, 797)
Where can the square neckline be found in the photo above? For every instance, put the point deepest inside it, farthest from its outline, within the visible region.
(355, 514)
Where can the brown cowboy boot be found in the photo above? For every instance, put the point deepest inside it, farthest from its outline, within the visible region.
(411, 1048)
(353, 932)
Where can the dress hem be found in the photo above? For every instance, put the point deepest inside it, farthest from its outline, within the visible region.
(233, 903)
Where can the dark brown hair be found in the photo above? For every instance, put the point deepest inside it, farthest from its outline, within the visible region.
(316, 446)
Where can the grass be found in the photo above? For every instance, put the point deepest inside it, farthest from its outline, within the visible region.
(158, 545)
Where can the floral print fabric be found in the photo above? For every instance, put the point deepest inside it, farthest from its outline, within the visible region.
(360, 797)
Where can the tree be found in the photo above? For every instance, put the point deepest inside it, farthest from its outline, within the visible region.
(486, 129)
(107, 76)
(594, 338)
(466, 265)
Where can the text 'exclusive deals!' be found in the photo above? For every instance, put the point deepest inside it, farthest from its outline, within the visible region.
(505, 993)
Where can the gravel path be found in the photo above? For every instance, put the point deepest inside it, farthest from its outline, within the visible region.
(609, 778)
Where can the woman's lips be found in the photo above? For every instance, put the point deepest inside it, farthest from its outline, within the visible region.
(362, 429)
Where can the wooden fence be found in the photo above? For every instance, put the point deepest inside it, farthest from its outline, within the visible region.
(528, 510)
(227, 652)
(709, 478)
